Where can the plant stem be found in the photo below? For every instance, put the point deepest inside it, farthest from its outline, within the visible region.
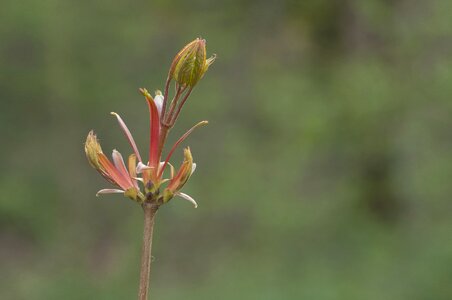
(179, 92)
(149, 215)
(163, 134)
(165, 96)
(173, 120)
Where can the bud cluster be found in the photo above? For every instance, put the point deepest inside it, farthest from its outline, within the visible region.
(143, 181)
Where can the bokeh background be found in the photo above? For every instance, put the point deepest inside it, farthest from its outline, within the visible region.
(325, 172)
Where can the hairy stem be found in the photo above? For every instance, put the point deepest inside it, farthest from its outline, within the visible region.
(149, 215)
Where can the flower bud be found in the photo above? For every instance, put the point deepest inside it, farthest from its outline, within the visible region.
(158, 100)
(190, 63)
(92, 150)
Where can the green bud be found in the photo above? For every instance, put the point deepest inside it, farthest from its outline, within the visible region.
(190, 63)
(92, 150)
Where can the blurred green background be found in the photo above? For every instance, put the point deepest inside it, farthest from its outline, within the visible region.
(325, 172)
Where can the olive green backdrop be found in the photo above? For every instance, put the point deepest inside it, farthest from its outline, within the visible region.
(324, 174)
